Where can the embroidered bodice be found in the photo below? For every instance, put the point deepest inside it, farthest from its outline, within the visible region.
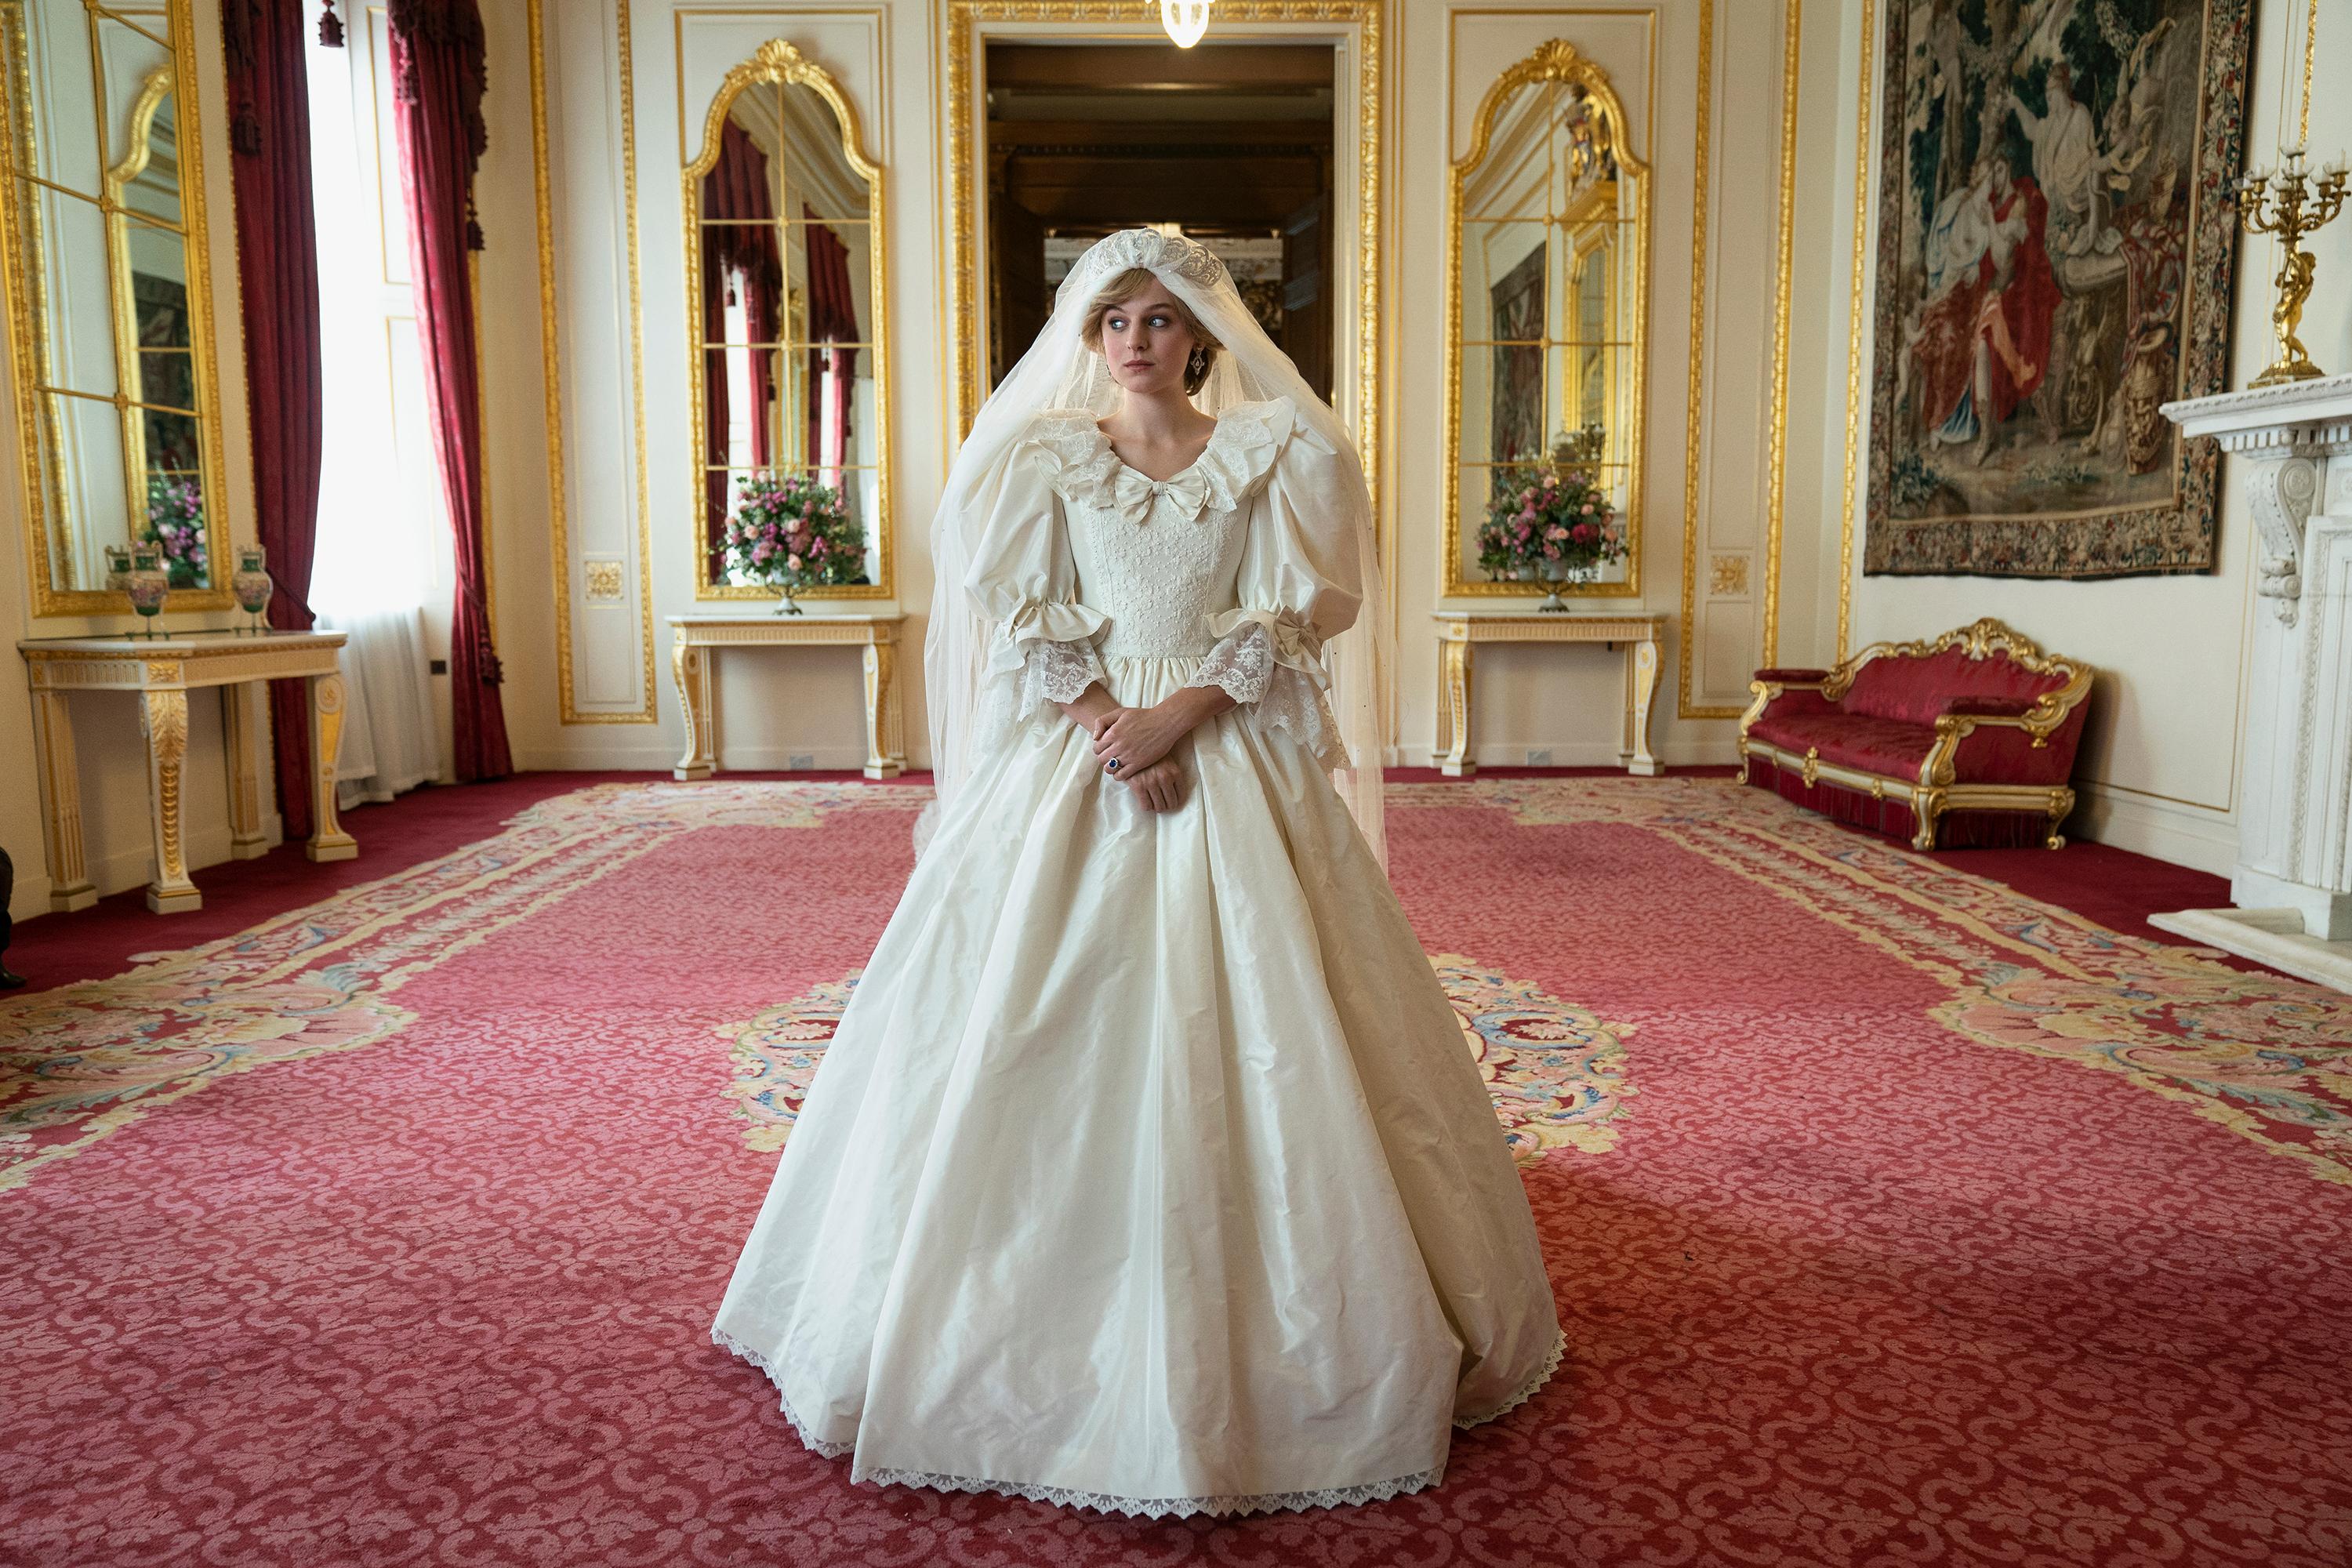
(1085, 560)
(1159, 557)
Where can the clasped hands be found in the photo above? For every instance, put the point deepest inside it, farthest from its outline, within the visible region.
(1132, 744)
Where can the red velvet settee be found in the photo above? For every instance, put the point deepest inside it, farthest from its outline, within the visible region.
(1971, 737)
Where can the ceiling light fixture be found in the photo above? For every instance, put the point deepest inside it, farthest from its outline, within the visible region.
(1185, 20)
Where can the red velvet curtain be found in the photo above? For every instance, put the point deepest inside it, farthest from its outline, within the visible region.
(833, 321)
(738, 247)
(437, 64)
(278, 283)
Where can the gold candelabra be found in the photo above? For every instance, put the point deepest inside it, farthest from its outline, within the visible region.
(2287, 202)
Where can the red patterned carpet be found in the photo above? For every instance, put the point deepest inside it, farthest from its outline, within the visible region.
(1896, 1216)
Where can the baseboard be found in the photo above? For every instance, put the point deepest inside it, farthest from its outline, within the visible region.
(31, 897)
(661, 759)
(1694, 752)
(2186, 835)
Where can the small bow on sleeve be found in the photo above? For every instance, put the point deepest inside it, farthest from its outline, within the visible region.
(1296, 643)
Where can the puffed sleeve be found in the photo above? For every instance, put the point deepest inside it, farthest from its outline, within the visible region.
(1024, 578)
(1299, 584)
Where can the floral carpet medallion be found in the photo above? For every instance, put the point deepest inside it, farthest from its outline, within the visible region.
(2266, 1056)
(80, 1062)
(776, 1055)
(1557, 1072)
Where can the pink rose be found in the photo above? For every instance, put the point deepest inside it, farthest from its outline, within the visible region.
(792, 562)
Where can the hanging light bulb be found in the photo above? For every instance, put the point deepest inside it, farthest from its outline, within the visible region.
(1185, 20)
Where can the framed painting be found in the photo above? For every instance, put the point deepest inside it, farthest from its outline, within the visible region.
(1519, 334)
(2056, 243)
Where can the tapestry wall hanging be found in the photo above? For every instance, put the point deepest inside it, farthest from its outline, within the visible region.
(2056, 243)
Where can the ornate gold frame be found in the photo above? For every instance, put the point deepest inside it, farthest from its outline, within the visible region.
(46, 525)
(963, 19)
(777, 61)
(1933, 791)
(1555, 59)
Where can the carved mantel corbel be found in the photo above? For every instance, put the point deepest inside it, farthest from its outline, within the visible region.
(2282, 468)
(2285, 440)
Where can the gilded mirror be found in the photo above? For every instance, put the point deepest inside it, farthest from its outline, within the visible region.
(1546, 311)
(102, 226)
(790, 418)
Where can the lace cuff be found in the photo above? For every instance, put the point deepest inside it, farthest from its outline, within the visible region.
(1276, 694)
(1242, 664)
(1026, 675)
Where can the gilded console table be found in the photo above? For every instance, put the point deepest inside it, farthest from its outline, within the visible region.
(693, 639)
(1459, 631)
(163, 670)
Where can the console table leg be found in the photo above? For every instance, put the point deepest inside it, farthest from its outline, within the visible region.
(328, 839)
(1454, 711)
(689, 666)
(885, 757)
(245, 841)
(1642, 693)
(164, 716)
(69, 884)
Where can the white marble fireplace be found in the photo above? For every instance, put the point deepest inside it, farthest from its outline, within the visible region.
(2291, 449)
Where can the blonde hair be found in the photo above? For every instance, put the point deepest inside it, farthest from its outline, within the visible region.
(1126, 286)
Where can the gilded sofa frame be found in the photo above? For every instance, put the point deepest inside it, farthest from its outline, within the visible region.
(1934, 790)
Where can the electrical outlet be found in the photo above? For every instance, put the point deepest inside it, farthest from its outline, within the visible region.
(1540, 757)
(802, 760)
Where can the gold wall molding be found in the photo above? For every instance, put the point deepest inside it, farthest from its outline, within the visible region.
(1555, 59)
(964, 20)
(602, 577)
(1776, 448)
(1857, 290)
(1695, 430)
(780, 62)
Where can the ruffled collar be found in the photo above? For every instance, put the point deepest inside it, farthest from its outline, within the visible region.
(1239, 456)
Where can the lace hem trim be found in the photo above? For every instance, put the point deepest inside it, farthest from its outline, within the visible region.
(809, 1440)
(1219, 1506)
(1526, 1390)
(1167, 1508)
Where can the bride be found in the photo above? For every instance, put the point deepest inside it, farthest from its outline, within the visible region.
(1148, 1169)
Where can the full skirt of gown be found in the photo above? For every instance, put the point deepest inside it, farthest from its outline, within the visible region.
(1148, 1168)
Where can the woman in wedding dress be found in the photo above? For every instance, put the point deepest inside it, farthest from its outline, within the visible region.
(1148, 1169)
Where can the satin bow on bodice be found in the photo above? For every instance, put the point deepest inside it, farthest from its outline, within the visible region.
(1135, 493)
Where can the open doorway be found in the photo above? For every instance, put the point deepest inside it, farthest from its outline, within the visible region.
(1231, 143)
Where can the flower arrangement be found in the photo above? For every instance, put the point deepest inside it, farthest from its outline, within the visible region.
(1546, 522)
(175, 527)
(791, 531)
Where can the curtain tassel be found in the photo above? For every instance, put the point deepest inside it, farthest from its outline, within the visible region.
(330, 27)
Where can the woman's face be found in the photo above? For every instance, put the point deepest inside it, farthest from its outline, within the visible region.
(1145, 343)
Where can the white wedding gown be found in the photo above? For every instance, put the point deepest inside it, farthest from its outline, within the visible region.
(1148, 1168)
